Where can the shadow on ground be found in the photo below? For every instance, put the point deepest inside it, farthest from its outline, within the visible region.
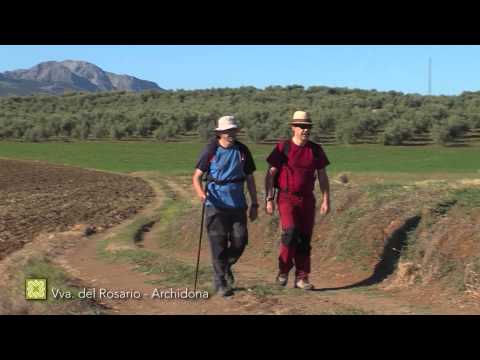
(390, 256)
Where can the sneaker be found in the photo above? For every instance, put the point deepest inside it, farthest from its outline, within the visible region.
(230, 278)
(303, 284)
(282, 279)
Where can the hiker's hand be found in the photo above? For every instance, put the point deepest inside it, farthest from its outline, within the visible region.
(270, 207)
(203, 197)
(253, 213)
(325, 208)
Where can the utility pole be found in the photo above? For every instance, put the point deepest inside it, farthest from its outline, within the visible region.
(429, 76)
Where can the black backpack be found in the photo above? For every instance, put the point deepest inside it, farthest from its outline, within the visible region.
(285, 150)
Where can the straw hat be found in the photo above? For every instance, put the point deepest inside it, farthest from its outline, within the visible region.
(301, 117)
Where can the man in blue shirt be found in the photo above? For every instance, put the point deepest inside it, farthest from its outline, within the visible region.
(229, 164)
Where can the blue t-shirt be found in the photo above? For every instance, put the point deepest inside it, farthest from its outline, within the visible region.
(231, 163)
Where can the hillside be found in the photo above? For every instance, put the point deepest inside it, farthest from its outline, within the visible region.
(56, 78)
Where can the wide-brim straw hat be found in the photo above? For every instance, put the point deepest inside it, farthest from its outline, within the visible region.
(301, 117)
(227, 123)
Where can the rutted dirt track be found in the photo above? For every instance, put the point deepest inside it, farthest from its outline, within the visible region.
(38, 198)
(334, 295)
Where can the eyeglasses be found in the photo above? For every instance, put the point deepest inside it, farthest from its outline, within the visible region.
(303, 126)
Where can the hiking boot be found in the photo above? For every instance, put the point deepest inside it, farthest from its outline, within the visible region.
(230, 278)
(303, 284)
(224, 291)
(282, 279)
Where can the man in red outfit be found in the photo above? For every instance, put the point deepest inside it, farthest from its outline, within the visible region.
(295, 164)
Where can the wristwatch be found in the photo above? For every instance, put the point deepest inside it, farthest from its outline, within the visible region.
(269, 198)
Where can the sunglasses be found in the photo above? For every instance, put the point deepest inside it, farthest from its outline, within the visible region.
(229, 131)
(303, 126)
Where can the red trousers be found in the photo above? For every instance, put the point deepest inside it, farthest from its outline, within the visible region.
(297, 216)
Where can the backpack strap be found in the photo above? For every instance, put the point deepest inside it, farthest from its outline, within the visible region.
(286, 149)
(284, 159)
(316, 156)
(315, 150)
(223, 182)
(243, 150)
(211, 150)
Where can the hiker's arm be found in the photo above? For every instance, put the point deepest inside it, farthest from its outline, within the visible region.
(197, 184)
(252, 190)
(325, 189)
(269, 190)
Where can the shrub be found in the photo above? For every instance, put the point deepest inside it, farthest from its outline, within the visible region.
(397, 133)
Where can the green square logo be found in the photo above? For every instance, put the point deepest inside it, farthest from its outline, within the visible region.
(36, 289)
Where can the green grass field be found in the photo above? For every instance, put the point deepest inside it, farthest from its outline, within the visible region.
(180, 158)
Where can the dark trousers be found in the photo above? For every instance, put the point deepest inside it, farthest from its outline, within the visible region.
(297, 216)
(228, 235)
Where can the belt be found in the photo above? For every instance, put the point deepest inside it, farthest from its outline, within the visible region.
(224, 182)
(296, 193)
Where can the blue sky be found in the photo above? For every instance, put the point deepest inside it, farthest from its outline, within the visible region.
(455, 68)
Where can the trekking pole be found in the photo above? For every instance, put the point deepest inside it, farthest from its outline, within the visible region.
(200, 240)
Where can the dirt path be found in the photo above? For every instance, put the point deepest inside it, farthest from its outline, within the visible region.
(84, 263)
